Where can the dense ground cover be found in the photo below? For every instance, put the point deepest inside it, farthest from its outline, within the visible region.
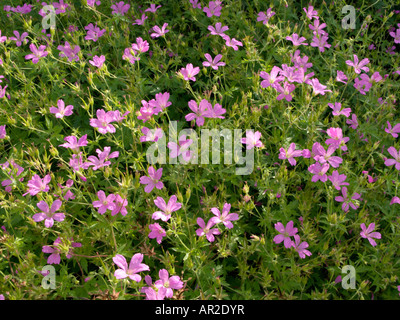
(85, 103)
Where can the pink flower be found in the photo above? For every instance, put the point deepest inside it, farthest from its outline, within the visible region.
(368, 234)
(152, 292)
(91, 3)
(199, 111)
(338, 179)
(195, 4)
(2, 38)
(213, 63)
(285, 233)
(290, 154)
(102, 123)
(131, 272)
(104, 203)
(218, 30)
(168, 283)
(337, 109)
(61, 111)
(49, 215)
(323, 156)
(353, 122)
(311, 13)
(341, 77)
(395, 200)
(161, 102)
(264, 17)
(318, 87)
(319, 171)
(207, 230)
(396, 35)
(55, 256)
(296, 40)
(152, 180)
(141, 45)
(19, 39)
(358, 66)
(225, 217)
(189, 72)
(166, 209)
(60, 6)
(337, 139)
(3, 91)
(37, 53)
(15, 168)
(320, 42)
(252, 139)
(396, 161)
(159, 32)
(119, 206)
(146, 112)
(300, 247)
(285, 91)
(151, 134)
(93, 32)
(3, 131)
(73, 143)
(232, 42)
(102, 159)
(215, 112)
(317, 27)
(157, 232)
(98, 61)
(181, 148)
(346, 201)
(152, 8)
(36, 185)
(120, 8)
(393, 131)
(69, 52)
(213, 9)
(140, 21)
(271, 79)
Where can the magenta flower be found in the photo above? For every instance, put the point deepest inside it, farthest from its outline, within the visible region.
(358, 66)
(300, 247)
(141, 45)
(396, 161)
(320, 42)
(102, 123)
(207, 230)
(311, 13)
(323, 156)
(166, 209)
(3, 91)
(131, 272)
(146, 112)
(168, 283)
(60, 6)
(367, 233)
(318, 28)
(2, 38)
(393, 131)
(157, 232)
(36, 185)
(8, 183)
(318, 87)
(159, 32)
(285, 91)
(151, 134)
(199, 111)
(49, 215)
(346, 201)
(91, 3)
(319, 171)
(93, 32)
(189, 72)
(271, 79)
(218, 30)
(296, 40)
(161, 102)
(61, 111)
(102, 159)
(37, 53)
(252, 140)
(71, 53)
(338, 179)
(76, 163)
(213, 9)
(119, 206)
(55, 251)
(152, 292)
(265, 16)
(341, 77)
(152, 8)
(181, 148)
(336, 138)
(19, 39)
(215, 112)
(3, 131)
(73, 143)
(104, 203)
(120, 8)
(195, 4)
(233, 43)
(152, 180)
(140, 21)
(98, 61)
(337, 109)
(395, 200)
(213, 63)
(285, 233)
(396, 35)
(290, 154)
(225, 217)
(353, 122)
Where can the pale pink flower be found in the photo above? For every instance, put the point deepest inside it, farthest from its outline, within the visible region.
(166, 209)
(213, 63)
(252, 139)
(207, 230)
(120, 8)
(98, 61)
(199, 111)
(290, 154)
(73, 143)
(104, 203)
(156, 232)
(131, 272)
(300, 247)
(285, 233)
(358, 65)
(396, 161)
(265, 16)
(225, 217)
(168, 283)
(61, 111)
(367, 233)
(341, 77)
(181, 148)
(49, 215)
(151, 134)
(159, 32)
(37, 184)
(337, 109)
(37, 53)
(102, 123)
(189, 72)
(393, 131)
(153, 180)
(218, 30)
(296, 40)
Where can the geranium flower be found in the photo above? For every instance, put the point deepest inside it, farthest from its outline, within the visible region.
(160, 102)
(159, 32)
(225, 217)
(119, 206)
(55, 251)
(213, 63)
(290, 154)
(272, 78)
(120, 8)
(233, 43)
(189, 72)
(36, 185)
(151, 134)
(98, 61)
(341, 77)
(3, 132)
(318, 87)
(166, 209)
(393, 131)
(9, 182)
(199, 111)
(152, 180)
(396, 161)
(61, 111)
(346, 201)
(300, 247)
(353, 122)
(218, 30)
(181, 148)
(213, 9)
(337, 109)
(252, 140)
(367, 233)
(320, 42)
(296, 40)
(71, 53)
(311, 13)
(338, 179)
(102, 159)
(157, 232)
(140, 21)
(102, 123)
(336, 138)
(319, 171)
(93, 32)
(19, 39)
(285, 91)
(265, 16)
(131, 272)
(37, 53)
(104, 203)
(207, 230)
(49, 215)
(168, 283)
(358, 65)
(285, 233)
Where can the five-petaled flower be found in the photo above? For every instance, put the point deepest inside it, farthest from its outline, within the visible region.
(153, 180)
(49, 215)
(131, 272)
(285, 233)
(166, 208)
(368, 234)
(225, 217)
